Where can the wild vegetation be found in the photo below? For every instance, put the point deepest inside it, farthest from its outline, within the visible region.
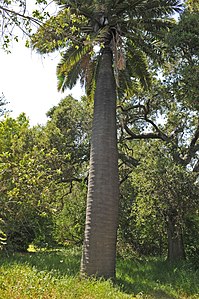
(54, 274)
(151, 79)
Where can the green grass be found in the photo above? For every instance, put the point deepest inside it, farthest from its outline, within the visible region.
(55, 275)
(156, 278)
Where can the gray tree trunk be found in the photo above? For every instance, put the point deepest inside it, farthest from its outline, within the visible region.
(175, 241)
(99, 249)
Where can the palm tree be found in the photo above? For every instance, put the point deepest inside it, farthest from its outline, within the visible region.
(129, 35)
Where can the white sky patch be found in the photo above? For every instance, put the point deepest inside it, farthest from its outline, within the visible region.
(28, 81)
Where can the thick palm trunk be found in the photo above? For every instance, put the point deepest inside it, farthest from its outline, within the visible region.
(99, 249)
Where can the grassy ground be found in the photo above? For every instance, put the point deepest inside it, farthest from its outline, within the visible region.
(54, 275)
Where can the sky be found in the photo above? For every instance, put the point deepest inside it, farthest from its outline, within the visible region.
(28, 82)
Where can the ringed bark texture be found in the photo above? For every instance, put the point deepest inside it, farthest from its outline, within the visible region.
(99, 249)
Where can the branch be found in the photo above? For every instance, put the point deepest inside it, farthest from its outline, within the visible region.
(195, 137)
(128, 160)
(125, 177)
(85, 179)
(150, 135)
(161, 135)
(193, 148)
(196, 167)
(130, 108)
(8, 11)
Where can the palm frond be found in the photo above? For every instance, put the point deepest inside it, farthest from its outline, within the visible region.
(68, 80)
(83, 7)
(101, 36)
(70, 64)
(145, 8)
(156, 8)
(128, 84)
(90, 77)
(138, 66)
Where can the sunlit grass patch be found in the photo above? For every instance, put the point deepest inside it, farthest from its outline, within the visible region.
(23, 281)
(51, 275)
(55, 275)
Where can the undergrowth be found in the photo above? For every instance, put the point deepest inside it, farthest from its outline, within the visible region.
(55, 275)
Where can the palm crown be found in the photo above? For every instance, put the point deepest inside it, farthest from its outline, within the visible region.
(133, 29)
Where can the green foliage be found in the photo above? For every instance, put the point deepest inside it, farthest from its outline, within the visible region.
(142, 223)
(25, 185)
(193, 5)
(191, 237)
(157, 189)
(166, 169)
(184, 40)
(70, 221)
(43, 173)
(163, 188)
(68, 131)
(59, 31)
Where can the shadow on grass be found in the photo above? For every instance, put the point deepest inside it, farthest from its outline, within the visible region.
(157, 278)
(64, 262)
(152, 277)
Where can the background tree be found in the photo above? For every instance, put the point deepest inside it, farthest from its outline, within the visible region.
(179, 135)
(169, 193)
(25, 190)
(43, 177)
(68, 130)
(170, 113)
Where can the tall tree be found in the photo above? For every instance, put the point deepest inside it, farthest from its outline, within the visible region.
(26, 182)
(43, 175)
(175, 100)
(126, 32)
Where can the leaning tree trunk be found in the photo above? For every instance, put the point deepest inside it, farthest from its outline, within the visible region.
(175, 240)
(99, 249)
